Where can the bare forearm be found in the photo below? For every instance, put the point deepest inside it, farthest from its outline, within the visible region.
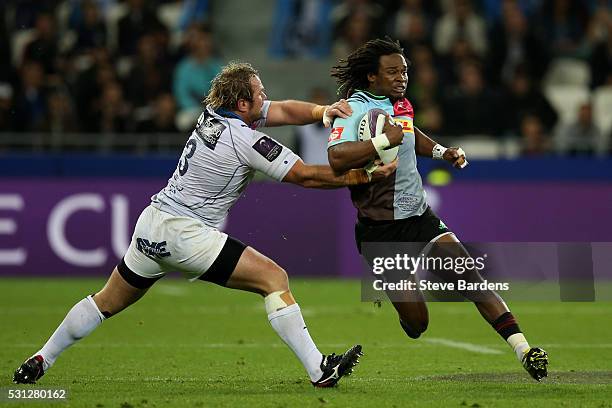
(350, 155)
(325, 177)
(292, 112)
(423, 143)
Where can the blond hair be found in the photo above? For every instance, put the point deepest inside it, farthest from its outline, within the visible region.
(230, 85)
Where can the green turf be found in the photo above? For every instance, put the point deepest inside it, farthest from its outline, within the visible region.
(197, 345)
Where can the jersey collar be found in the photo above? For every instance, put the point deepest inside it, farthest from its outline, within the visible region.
(371, 95)
(229, 114)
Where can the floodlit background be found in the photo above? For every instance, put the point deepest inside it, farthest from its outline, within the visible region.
(97, 98)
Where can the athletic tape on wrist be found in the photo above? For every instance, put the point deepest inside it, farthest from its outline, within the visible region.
(369, 169)
(318, 112)
(460, 152)
(438, 152)
(380, 142)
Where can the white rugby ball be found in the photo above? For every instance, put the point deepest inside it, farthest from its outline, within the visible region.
(371, 125)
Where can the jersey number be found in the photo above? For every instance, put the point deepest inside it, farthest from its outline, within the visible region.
(188, 153)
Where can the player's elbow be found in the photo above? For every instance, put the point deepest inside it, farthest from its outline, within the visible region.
(337, 160)
(301, 174)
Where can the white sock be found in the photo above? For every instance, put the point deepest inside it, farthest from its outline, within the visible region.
(289, 324)
(81, 320)
(519, 344)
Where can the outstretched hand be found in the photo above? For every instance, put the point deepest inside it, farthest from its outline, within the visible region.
(382, 171)
(455, 156)
(339, 109)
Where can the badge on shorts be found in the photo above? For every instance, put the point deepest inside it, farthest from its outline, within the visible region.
(152, 249)
(268, 148)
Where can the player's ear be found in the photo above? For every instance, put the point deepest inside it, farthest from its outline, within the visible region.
(242, 105)
(371, 77)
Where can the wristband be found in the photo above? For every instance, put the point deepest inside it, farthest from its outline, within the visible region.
(438, 152)
(380, 142)
(318, 111)
(369, 169)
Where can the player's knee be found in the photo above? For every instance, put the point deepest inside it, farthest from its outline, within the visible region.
(276, 280)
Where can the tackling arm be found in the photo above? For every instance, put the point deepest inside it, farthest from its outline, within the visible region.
(313, 176)
(292, 112)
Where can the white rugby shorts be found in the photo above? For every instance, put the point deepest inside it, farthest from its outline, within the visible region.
(163, 242)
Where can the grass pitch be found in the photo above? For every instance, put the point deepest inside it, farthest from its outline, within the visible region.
(198, 345)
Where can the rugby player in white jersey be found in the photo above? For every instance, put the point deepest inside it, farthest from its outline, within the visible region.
(177, 231)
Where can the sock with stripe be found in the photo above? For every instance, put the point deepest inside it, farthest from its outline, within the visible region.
(507, 327)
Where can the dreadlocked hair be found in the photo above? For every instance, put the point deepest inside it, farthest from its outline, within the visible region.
(230, 85)
(352, 72)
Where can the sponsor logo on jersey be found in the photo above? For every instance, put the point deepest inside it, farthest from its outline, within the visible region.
(406, 124)
(336, 134)
(209, 129)
(268, 148)
(152, 249)
(403, 108)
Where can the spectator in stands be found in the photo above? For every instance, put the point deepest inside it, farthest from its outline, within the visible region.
(411, 25)
(61, 117)
(6, 68)
(301, 28)
(6, 107)
(472, 107)
(373, 11)
(426, 96)
(535, 141)
(31, 99)
(162, 116)
(522, 97)
(424, 86)
(193, 74)
(355, 31)
(149, 75)
(89, 86)
(582, 137)
(193, 11)
(563, 26)
(311, 140)
(26, 12)
(601, 56)
(140, 20)
(514, 44)
(44, 46)
(112, 111)
(493, 9)
(90, 29)
(460, 23)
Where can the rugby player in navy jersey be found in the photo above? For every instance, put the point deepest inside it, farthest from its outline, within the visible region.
(395, 209)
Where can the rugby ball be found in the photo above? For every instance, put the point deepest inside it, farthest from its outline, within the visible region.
(371, 125)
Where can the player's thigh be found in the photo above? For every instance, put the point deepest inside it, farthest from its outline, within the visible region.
(257, 273)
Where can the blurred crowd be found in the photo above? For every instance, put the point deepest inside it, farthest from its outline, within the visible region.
(539, 71)
(103, 65)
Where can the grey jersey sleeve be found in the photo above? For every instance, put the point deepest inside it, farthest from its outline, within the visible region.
(269, 156)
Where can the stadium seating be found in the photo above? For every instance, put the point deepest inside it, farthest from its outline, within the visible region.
(602, 108)
(566, 71)
(566, 99)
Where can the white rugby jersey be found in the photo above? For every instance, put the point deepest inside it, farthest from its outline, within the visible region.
(218, 162)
